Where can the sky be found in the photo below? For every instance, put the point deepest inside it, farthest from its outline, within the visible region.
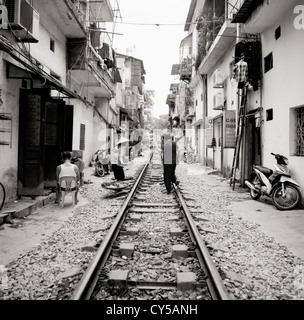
(157, 46)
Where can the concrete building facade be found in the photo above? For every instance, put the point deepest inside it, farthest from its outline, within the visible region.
(58, 85)
(270, 35)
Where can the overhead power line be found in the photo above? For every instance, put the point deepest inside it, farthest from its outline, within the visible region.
(156, 24)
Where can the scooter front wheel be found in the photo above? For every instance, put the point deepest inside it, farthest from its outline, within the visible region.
(99, 170)
(288, 201)
(254, 194)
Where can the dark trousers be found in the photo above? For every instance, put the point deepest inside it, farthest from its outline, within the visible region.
(169, 175)
(118, 171)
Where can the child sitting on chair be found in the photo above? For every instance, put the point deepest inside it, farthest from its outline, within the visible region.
(64, 170)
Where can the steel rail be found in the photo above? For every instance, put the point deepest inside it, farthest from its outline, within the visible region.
(216, 286)
(89, 280)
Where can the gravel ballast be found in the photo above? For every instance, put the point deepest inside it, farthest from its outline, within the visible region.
(252, 264)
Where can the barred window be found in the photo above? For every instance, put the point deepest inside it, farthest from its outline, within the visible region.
(299, 131)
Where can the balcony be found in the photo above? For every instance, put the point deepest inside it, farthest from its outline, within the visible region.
(215, 34)
(68, 17)
(190, 113)
(243, 9)
(171, 98)
(174, 88)
(89, 69)
(100, 11)
(218, 48)
(186, 69)
(268, 15)
(175, 70)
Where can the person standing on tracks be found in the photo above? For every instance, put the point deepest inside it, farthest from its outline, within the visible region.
(117, 163)
(169, 155)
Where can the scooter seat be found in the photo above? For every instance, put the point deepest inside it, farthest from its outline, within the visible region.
(264, 170)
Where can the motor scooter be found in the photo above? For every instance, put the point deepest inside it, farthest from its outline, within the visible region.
(277, 184)
(102, 163)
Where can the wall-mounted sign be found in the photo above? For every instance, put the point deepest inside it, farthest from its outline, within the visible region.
(229, 129)
(209, 132)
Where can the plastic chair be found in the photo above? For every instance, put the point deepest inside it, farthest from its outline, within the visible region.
(67, 185)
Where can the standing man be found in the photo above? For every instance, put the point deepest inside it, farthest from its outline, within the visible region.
(117, 163)
(169, 159)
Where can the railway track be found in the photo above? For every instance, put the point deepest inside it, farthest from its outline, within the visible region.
(153, 246)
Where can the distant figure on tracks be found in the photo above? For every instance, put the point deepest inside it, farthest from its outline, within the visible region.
(169, 155)
(117, 159)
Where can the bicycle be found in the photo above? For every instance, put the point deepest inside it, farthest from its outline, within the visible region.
(188, 156)
(2, 196)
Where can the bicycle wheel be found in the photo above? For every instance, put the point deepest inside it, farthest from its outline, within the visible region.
(190, 158)
(2, 196)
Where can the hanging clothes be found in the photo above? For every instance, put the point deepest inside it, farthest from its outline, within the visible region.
(117, 77)
(240, 49)
(105, 51)
(95, 36)
(114, 59)
(108, 63)
(241, 72)
(252, 55)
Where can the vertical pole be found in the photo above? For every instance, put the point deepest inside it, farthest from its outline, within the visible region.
(205, 108)
(261, 101)
(239, 102)
(243, 141)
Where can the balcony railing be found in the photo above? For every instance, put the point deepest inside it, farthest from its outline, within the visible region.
(186, 69)
(208, 26)
(243, 9)
(215, 34)
(83, 58)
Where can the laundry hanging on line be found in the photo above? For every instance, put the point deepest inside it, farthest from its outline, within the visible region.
(252, 56)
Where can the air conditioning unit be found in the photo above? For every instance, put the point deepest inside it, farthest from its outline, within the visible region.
(24, 20)
(218, 101)
(217, 79)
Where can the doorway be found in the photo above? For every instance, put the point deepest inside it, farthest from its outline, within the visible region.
(45, 130)
(253, 142)
(218, 149)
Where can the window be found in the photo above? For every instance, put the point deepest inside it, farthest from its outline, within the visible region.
(299, 131)
(82, 137)
(277, 33)
(269, 114)
(268, 62)
(52, 45)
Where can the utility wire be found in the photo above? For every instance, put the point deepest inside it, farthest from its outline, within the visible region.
(156, 24)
